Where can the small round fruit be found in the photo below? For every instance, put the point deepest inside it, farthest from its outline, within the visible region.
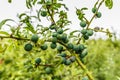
(81, 47)
(37, 61)
(68, 62)
(60, 48)
(66, 40)
(83, 24)
(64, 36)
(83, 54)
(63, 54)
(70, 46)
(63, 60)
(76, 48)
(90, 32)
(28, 47)
(48, 70)
(98, 14)
(44, 46)
(34, 38)
(43, 13)
(86, 36)
(72, 58)
(53, 45)
(83, 31)
(59, 36)
(54, 39)
(54, 34)
(60, 30)
(94, 9)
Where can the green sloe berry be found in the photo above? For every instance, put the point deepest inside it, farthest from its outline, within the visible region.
(54, 34)
(76, 48)
(54, 39)
(90, 32)
(72, 58)
(59, 36)
(68, 62)
(94, 9)
(70, 46)
(63, 60)
(53, 45)
(60, 48)
(98, 14)
(48, 70)
(28, 47)
(81, 47)
(37, 60)
(83, 24)
(34, 38)
(43, 13)
(60, 30)
(63, 54)
(44, 46)
(64, 36)
(83, 54)
(86, 36)
(66, 40)
(83, 31)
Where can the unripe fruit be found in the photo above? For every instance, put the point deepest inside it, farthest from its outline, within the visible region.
(83, 31)
(83, 23)
(90, 32)
(48, 70)
(60, 30)
(37, 61)
(63, 59)
(98, 14)
(60, 48)
(28, 47)
(64, 36)
(53, 45)
(70, 46)
(54, 34)
(66, 41)
(54, 39)
(76, 48)
(94, 9)
(83, 54)
(34, 38)
(59, 36)
(43, 13)
(72, 58)
(86, 36)
(68, 62)
(44, 46)
(63, 54)
(81, 47)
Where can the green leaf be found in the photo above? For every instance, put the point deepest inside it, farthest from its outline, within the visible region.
(74, 32)
(4, 21)
(84, 8)
(34, 1)
(109, 3)
(30, 27)
(4, 33)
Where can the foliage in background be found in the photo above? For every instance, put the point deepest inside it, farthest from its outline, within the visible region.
(32, 51)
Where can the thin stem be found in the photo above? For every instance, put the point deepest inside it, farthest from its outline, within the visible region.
(13, 37)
